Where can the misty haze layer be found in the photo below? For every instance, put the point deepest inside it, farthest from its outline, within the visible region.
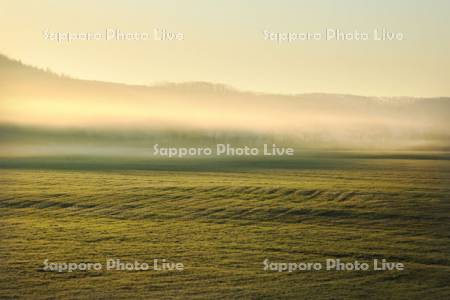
(32, 98)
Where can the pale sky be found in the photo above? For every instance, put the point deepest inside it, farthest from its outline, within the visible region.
(224, 42)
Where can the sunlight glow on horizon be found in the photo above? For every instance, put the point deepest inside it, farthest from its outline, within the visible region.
(224, 43)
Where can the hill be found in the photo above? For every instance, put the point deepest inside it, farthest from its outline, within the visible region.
(41, 99)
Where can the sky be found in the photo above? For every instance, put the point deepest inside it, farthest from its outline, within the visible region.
(224, 42)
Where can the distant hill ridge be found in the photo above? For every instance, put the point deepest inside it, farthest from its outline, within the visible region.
(30, 96)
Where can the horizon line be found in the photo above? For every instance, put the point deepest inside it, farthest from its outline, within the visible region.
(225, 86)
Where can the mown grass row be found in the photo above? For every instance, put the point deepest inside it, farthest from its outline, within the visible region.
(222, 226)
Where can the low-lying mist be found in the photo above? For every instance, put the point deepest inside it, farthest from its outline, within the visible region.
(43, 113)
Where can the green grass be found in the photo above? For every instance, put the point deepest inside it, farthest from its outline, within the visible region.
(221, 225)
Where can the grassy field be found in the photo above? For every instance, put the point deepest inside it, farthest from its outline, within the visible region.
(222, 225)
